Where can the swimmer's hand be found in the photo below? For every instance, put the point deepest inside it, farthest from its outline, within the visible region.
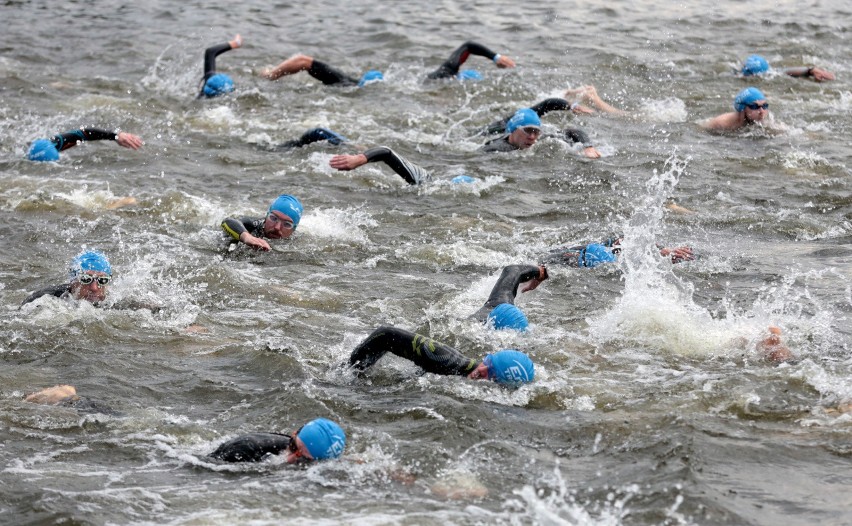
(591, 152)
(254, 242)
(505, 62)
(347, 162)
(128, 140)
(536, 281)
(821, 75)
(678, 254)
(236, 42)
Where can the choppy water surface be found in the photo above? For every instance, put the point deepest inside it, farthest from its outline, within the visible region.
(651, 405)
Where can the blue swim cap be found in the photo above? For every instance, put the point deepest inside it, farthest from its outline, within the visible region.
(595, 254)
(288, 205)
(521, 118)
(755, 65)
(43, 150)
(323, 438)
(510, 367)
(461, 179)
(747, 96)
(218, 84)
(469, 74)
(370, 77)
(89, 260)
(508, 316)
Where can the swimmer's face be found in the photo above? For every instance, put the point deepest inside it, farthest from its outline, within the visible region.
(524, 137)
(297, 451)
(278, 225)
(756, 111)
(480, 373)
(90, 285)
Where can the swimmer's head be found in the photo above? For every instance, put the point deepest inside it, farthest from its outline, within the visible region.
(523, 119)
(508, 316)
(289, 206)
(89, 261)
(469, 74)
(509, 367)
(370, 77)
(323, 438)
(43, 150)
(595, 254)
(748, 96)
(218, 84)
(754, 65)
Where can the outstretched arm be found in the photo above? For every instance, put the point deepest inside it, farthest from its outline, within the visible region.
(212, 52)
(409, 171)
(432, 356)
(818, 74)
(506, 288)
(239, 231)
(450, 67)
(589, 95)
(576, 135)
(66, 140)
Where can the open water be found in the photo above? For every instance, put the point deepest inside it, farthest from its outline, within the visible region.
(651, 404)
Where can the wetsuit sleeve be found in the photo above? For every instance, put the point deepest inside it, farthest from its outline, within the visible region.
(69, 139)
(576, 135)
(506, 288)
(554, 104)
(311, 136)
(235, 227)
(251, 448)
(409, 171)
(450, 67)
(55, 290)
(210, 55)
(432, 356)
(329, 75)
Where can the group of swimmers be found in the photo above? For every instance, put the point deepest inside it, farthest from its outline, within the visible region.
(90, 272)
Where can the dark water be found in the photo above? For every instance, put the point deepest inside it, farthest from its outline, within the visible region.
(651, 405)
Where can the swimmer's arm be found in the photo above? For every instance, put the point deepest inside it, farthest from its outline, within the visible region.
(238, 230)
(577, 135)
(474, 48)
(552, 104)
(506, 288)
(818, 74)
(677, 254)
(70, 139)
(412, 173)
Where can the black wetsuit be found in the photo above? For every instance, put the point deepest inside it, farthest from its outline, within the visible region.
(574, 135)
(450, 68)
(409, 171)
(311, 136)
(432, 356)
(573, 256)
(506, 288)
(235, 227)
(87, 406)
(252, 448)
(69, 139)
(210, 55)
(329, 75)
(60, 291)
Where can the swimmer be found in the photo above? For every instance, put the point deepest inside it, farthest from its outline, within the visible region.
(516, 140)
(500, 309)
(47, 150)
(66, 396)
(507, 367)
(214, 84)
(89, 276)
(755, 65)
(523, 129)
(750, 108)
(320, 71)
(594, 254)
(280, 222)
(319, 439)
(311, 136)
(451, 67)
(773, 350)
